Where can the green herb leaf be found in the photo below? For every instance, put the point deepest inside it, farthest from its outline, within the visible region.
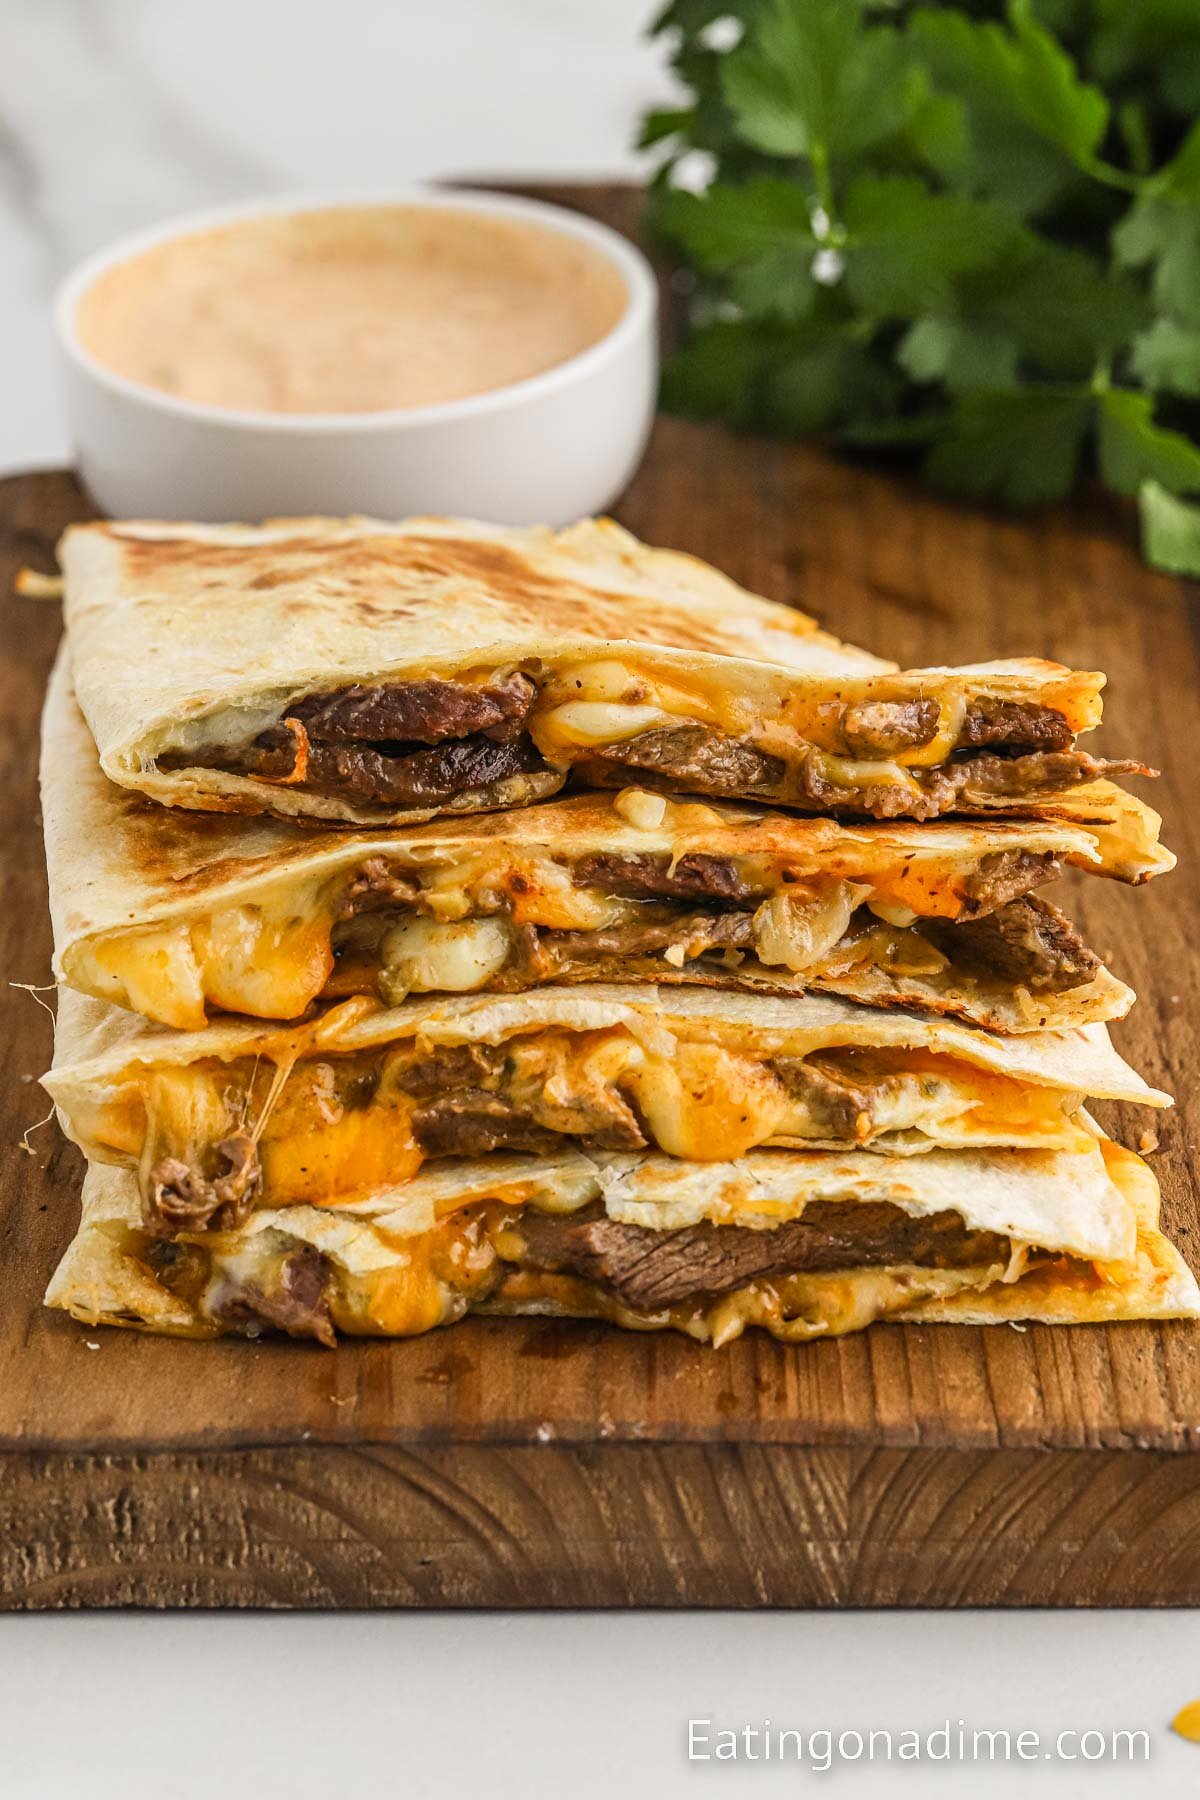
(759, 235)
(1170, 531)
(1167, 358)
(1031, 115)
(1059, 304)
(716, 372)
(905, 246)
(826, 377)
(961, 355)
(1134, 449)
(948, 225)
(812, 81)
(658, 127)
(1021, 446)
(732, 225)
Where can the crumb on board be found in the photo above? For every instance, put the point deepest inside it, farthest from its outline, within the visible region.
(1148, 1143)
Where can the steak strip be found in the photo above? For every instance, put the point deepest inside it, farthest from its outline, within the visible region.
(1004, 876)
(179, 1198)
(649, 1270)
(1028, 942)
(295, 1301)
(992, 721)
(638, 876)
(392, 776)
(702, 761)
(425, 712)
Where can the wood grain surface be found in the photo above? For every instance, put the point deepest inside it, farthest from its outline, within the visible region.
(538, 1463)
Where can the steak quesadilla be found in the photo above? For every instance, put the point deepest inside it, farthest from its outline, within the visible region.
(372, 673)
(177, 915)
(355, 1102)
(802, 1245)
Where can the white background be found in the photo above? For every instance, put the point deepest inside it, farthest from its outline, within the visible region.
(114, 113)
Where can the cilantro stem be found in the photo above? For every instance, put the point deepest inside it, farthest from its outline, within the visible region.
(1124, 180)
(818, 156)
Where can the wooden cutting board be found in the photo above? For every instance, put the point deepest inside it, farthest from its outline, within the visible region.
(536, 1463)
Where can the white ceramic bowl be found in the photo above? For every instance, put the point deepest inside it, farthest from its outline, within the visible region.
(546, 450)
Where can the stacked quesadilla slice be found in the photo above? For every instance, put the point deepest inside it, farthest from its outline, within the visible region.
(456, 919)
(381, 674)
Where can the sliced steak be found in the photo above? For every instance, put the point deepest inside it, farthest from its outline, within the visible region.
(355, 772)
(1017, 777)
(183, 1269)
(1028, 942)
(649, 1270)
(178, 1198)
(717, 931)
(424, 712)
(296, 1299)
(1003, 876)
(834, 1106)
(966, 786)
(881, 727)
(377, 885)
(699, 760)
(472, 1122)
(642, 876)
(992, 721)
(453, 1066)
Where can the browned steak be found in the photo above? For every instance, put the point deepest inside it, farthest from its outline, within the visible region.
(472, 1122)
(295, 1300)
(1028, 942)
(640, 876)
(355, 772)
(653, 1269)
(992, 721)
(1003, 876)
(697, 760)
(178, 1198)
(375, 885)
(881, 727)
(717, 931)
(425, 712)
(424, 779)
(453, 1066)
(835, 1105)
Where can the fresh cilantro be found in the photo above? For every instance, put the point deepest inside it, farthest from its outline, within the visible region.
(1166, 358)
(969, 229)
(1020, 446)
(1170, 530)
(1133, 449)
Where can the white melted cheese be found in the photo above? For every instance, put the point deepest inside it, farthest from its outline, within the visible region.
(423, 955)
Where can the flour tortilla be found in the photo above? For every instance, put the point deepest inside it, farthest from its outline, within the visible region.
(190, 638)
(697, 1063)
(134, 886)
(1100, 1213)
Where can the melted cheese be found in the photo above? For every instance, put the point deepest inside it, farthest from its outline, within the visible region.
(950, 724)
(851, 771)
(269, 959)
(423, 955)
(363, 1152)
(706, 1103)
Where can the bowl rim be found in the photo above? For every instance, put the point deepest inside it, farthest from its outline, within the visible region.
(640, 308)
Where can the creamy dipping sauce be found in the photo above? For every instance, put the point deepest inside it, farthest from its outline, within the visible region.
(350, 309)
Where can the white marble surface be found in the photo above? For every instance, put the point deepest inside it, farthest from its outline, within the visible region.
(118, 113)
(115, 113)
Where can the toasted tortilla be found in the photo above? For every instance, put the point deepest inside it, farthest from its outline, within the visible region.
(1080, 1229)
(207, 657)
(361, 1098)
(178, 915)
